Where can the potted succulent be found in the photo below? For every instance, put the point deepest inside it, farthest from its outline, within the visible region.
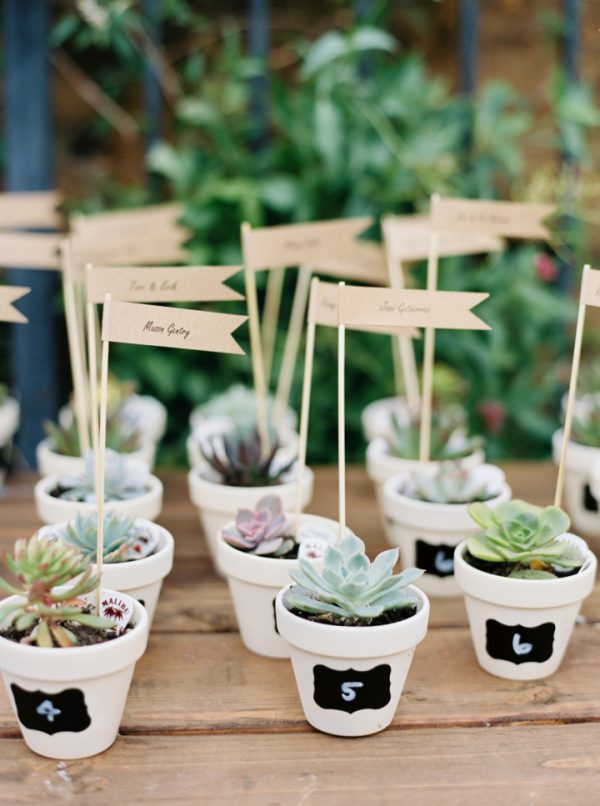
(67, 669)
(524, 577)
(399, 451)
(427, 516)
(236, 475)
(138, 554)
(257, 551)
(352, 629)
(9, 423)
(129, 489)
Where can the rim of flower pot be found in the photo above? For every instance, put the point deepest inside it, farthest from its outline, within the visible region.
(197, 418)
(78, 662)
(46, 455)
(381, 464)
(414, 512)
(213, 495)
(579, 457)
(595, 479)
(526, 593)
(9, 419)
(146, 569)
(335, 641)
(266, 571)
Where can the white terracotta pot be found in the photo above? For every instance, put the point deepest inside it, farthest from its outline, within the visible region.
(147, 415)
(254, 583)
(51, 463)
(9, 420)
(218, 504)
(55, 510)
(141, 579)
(580, 500)
(376, 418)
(381, 466)
(331, 662)
(521, 627)
(92, 682)
(427, 533)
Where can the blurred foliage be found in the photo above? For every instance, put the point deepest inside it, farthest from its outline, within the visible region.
(356, 126)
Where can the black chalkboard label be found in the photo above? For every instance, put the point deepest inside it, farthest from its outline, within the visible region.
(519, 644)
(589, 501)
(436, 559)
(142, 602)
(349, 690)
(275, 615)
(52, 713)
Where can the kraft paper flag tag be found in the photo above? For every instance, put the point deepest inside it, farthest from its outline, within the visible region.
(590, 287)
(510, 219)
(29, 250)
(30, 210)
(384, 307)
(134, 323)
(323, 310)
(9, 294)
(162, 284)
(408, 238)
(330, 247)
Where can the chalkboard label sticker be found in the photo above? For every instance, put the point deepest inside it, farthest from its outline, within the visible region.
(275, 615)
(142, 602)
(64, 711)
(518, 644)
(436, 559)
(349, 690)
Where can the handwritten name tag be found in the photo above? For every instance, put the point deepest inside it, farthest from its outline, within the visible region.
(35, 209)
(162, 284)
(8, 295)
(511, 219)
(134, 323)
(590, 287)
(385, 307)
(29, 250)
(408, 238)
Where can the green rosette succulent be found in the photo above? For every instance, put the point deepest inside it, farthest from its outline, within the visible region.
(450, 485)
(525, 536)
(350, 589)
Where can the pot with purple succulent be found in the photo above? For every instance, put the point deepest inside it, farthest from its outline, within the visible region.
(257, 551)
(236, 475)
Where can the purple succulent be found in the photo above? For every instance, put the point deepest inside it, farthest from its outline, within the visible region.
(263, 531)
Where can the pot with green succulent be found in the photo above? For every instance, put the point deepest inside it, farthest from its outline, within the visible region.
(138, 554)
(352, 628)
(236, 475)
(257, 552)
(524, 577)
(129, 489)
(67, 668)
(427, 516)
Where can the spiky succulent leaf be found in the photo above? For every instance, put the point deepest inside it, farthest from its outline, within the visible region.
(237, 459)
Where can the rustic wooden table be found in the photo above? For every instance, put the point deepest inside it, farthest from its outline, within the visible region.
(208, 722)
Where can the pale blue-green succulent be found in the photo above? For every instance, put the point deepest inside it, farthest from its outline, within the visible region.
(124, 477)
(124, 540)
(350, 589)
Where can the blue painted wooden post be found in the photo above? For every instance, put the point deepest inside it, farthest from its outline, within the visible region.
(259, 43)
(29, 139)
(468, 36)
(153, 105)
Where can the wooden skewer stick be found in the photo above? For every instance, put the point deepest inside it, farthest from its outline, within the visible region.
(270, 318)
(91, 319)
(428, 357)
(75, 347)
(292, 344)
(100, 466)
(305, 407)
(341, 427)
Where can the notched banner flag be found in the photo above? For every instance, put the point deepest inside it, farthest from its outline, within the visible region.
(510, 219)
(33, 210)
(134, 323)
(328, 247)
(590, 287)
(30, 250)
(323, 310)
(162, 283)
(385, 307)
(9, 294)
(408, 238)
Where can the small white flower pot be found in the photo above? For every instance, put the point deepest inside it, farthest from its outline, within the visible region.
(141, 579)
(376, 418)
(218, 504)
(521, 627)
(350, 678)
(147, 415)
(581, 502)
(51, 463)
(427, 533)
(9, 420)
(54, 510)
(69, 702)
(382, 465)
(198, 418)
(254, 583)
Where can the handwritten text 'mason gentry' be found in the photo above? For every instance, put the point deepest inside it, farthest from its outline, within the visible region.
(171, 330)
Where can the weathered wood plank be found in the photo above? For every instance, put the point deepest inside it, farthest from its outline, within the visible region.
(458, 767)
